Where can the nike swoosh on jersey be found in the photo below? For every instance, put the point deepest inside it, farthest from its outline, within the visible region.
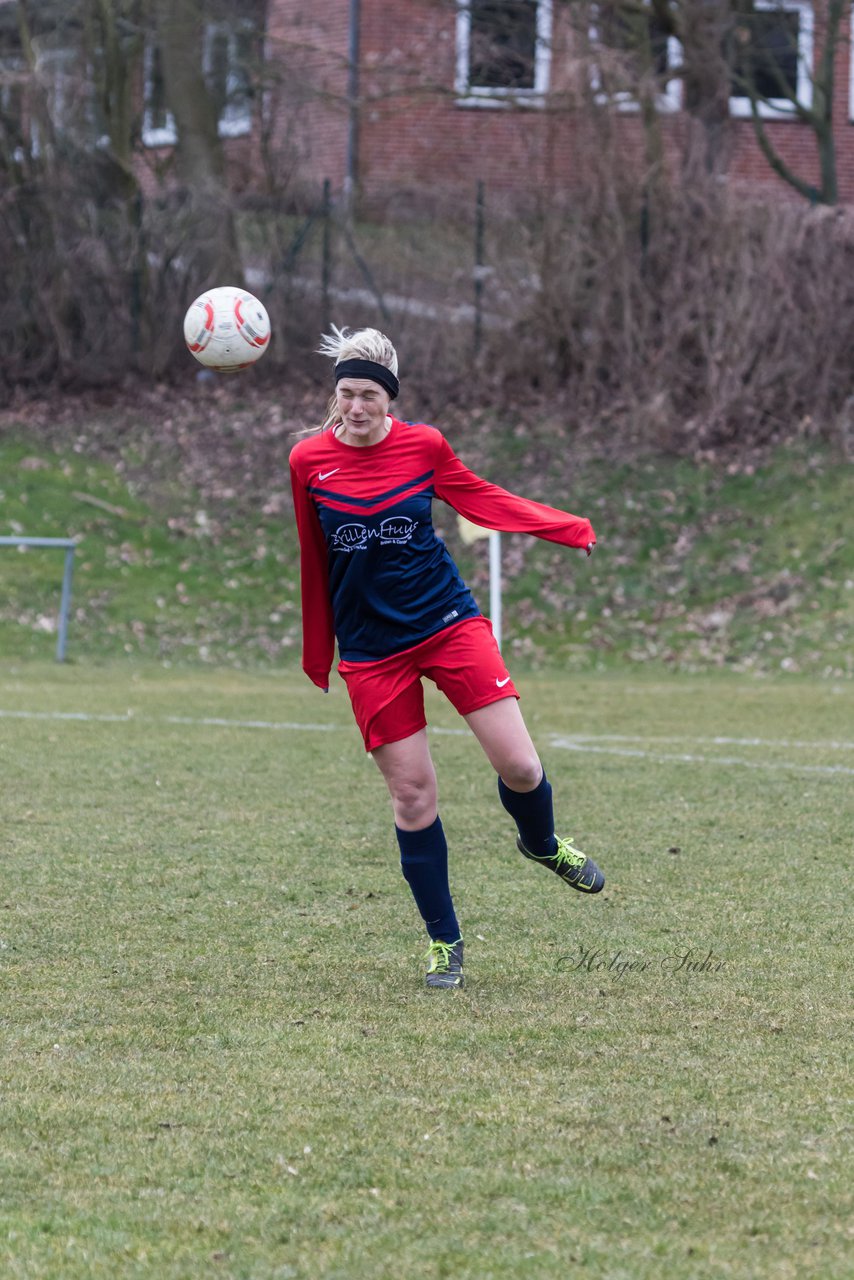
(324, 475)
(502, 683)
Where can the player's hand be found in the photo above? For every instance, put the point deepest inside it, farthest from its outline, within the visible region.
(590, 547)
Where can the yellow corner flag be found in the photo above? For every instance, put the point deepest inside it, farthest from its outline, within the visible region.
(471, 532)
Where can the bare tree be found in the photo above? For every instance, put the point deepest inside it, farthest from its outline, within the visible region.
(761, 74)
(740, 48)
(200, 161)
(700, 26)
(112, 45)
(70, 200)
(79, 240)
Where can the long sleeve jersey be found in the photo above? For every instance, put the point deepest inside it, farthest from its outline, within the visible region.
(374, 573)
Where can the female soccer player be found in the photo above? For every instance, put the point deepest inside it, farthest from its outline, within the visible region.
(376, 577)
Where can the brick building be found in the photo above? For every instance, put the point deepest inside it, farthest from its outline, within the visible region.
(427, 96)
(430, 95)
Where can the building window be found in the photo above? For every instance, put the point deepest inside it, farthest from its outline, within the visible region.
(770, 58)
(15, 140)
(630, 48)
(158, 123)
(58, 100)
(226, 54)
(503, 50)
(64, 95)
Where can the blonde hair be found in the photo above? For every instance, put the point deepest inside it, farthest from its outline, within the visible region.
(355, 344)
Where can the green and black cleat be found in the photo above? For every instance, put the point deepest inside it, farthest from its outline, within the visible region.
(445, 968)
(573, 866)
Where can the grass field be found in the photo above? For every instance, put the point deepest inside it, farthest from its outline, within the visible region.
(218, 1055)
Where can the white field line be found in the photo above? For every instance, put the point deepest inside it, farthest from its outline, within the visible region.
(662, 757)
(654, 739)
(131, 717)
(585, 743)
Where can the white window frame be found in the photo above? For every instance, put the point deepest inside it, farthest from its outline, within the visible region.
(236, 118)
(12, 77)
(67, 87)
(668, 101)
(469, 95)
(54, 67)
(163, 135)
(51, 67)
(740, 104)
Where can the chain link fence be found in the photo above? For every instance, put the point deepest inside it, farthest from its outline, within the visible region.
(681, 316)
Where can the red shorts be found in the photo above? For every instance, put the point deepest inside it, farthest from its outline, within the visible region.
(463, 661)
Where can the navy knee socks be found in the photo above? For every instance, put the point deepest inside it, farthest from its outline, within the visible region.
(424, 862)
(533, 814)
(424, 854)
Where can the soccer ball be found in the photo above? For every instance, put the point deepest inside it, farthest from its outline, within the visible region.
(227, 329)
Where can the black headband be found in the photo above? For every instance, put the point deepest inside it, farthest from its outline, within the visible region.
(368, 369)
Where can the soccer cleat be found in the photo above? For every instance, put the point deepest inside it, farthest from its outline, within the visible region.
(573, 866)
(446, 964)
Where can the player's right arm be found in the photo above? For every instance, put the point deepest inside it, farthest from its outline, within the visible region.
(318, 631)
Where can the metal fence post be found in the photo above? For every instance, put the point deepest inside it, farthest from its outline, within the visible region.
(495, 584)
(478, 266)
(326, 262)
(65, 604)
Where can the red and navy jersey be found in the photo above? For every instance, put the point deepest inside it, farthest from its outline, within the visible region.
(374, 573)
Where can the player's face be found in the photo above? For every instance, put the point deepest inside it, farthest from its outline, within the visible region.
(363, 406)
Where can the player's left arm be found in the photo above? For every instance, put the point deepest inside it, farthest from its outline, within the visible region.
(495, 508)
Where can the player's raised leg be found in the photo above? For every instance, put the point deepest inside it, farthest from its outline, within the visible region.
(526, 794)
(407, 767)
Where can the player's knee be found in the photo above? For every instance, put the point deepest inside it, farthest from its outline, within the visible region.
(522, 772)
(414, 801)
